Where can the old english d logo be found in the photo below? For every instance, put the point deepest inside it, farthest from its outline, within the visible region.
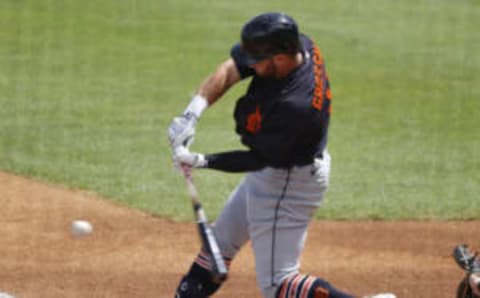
(254, 121)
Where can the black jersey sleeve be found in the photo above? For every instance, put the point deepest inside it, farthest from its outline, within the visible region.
(235, 161)
(240, 61)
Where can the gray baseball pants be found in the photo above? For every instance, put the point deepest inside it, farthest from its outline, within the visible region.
(272, 208)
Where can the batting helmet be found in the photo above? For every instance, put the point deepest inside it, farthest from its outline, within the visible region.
(267, 35)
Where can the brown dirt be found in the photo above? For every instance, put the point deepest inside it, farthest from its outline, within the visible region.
(131, 254)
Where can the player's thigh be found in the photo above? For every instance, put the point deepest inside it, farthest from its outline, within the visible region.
(278, 221)
(231, 227)
(277, 254)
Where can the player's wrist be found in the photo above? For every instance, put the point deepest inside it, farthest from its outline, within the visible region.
(195, 108)
(182, 155)
(201, 161)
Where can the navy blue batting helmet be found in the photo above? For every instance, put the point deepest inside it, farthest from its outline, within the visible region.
(268, 34)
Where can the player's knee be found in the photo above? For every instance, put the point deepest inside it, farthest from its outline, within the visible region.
(197, 283)
(308, 286)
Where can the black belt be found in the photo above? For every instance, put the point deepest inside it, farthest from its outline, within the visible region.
(301, 162)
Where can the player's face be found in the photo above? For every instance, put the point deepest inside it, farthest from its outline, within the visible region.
(265, 68)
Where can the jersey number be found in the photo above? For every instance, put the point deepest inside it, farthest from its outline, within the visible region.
(319, 93)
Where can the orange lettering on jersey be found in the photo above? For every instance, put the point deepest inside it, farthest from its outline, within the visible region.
(254, 121)
(319, 94)
(329, 94)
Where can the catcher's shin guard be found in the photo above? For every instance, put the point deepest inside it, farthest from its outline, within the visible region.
(309, 287)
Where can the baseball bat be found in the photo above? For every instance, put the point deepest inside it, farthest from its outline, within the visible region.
(209, 243)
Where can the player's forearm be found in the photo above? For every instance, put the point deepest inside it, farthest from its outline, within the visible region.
(235, 161)
(209, 92)
(219, 82)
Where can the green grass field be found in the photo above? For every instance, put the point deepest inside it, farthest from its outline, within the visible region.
(87, 89)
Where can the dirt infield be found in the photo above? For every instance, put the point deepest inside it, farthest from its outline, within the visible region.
(131, 254)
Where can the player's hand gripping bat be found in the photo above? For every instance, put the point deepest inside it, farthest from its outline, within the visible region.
(209, 243)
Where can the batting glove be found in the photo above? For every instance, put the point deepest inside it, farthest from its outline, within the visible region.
(182, 128)
(183, 157)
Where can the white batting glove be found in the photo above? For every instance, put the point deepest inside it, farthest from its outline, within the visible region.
(182, 131)
(182, 128)
(183, 156)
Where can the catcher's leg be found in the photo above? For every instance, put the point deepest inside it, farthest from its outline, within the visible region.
(464, 290)
(474, 281)
(469, 286)
(308, 286)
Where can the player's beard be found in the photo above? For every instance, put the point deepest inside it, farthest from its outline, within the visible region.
(268, 71)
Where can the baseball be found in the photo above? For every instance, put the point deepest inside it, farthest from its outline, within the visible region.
(81, 228)
(5, 295)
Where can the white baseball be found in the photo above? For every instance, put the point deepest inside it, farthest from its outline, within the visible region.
(81, 228)
(5, 295)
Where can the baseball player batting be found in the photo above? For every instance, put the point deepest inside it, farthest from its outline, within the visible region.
(283, 121)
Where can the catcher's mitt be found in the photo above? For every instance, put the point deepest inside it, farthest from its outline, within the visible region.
(470, 264)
